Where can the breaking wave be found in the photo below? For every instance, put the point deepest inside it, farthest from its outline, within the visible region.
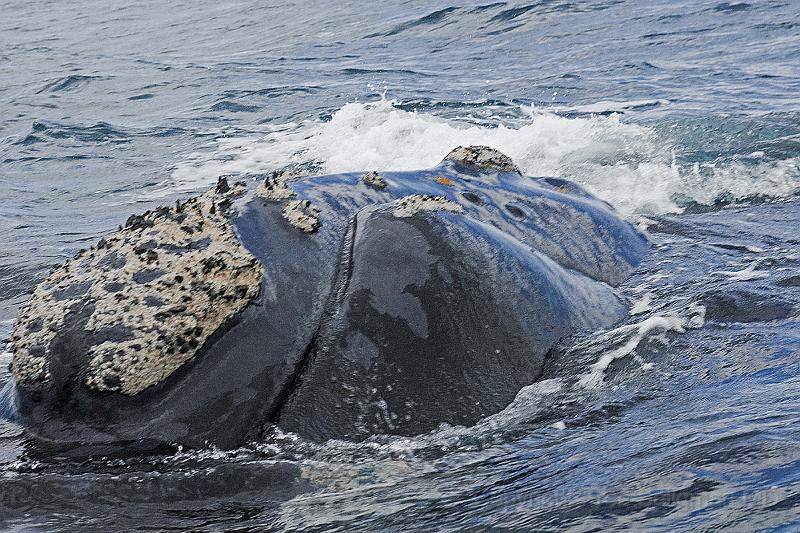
(633, 166)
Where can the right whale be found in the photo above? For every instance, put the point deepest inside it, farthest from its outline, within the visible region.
(336, 306)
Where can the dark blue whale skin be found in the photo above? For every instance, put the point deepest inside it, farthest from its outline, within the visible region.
(374, 323)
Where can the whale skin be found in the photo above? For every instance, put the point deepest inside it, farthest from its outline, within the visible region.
(332, 306)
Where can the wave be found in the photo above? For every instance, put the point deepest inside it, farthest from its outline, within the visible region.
(429, 19)
(95, 133)
(69, 83)
(630, 165)
(234, 107)
(607, 107)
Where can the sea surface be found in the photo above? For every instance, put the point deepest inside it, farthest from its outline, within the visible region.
(685, 115)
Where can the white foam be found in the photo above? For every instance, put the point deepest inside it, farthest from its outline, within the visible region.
(624, 163)
(643, 304)
(745, 274)
(755, 249)
(526, 403)
(634, 334)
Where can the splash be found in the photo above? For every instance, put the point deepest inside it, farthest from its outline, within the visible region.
(632, 335)
(635, 334)
(630, 165)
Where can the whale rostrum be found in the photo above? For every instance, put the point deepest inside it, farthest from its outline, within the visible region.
(332, 306)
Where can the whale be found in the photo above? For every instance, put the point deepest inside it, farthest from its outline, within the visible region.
(335, 306)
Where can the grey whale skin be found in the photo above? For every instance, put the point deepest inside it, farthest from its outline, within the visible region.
(335, 306)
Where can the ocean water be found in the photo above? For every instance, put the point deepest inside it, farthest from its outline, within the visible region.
(683, 115)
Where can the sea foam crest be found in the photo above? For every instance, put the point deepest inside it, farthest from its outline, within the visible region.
(625, 163)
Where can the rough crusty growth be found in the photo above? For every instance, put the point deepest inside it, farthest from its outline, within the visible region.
(299, 213)
(373, 179)
(275, 188)
(412, 204)
(483, 156)
(302, 215)
(146, 297)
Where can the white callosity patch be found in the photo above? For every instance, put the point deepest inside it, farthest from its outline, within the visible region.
(302, 215)
(410, 205)
(373, 179)
(483, 156)
(276, 188)
(152, 293)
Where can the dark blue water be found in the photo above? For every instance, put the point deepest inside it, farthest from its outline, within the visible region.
(684, 115)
